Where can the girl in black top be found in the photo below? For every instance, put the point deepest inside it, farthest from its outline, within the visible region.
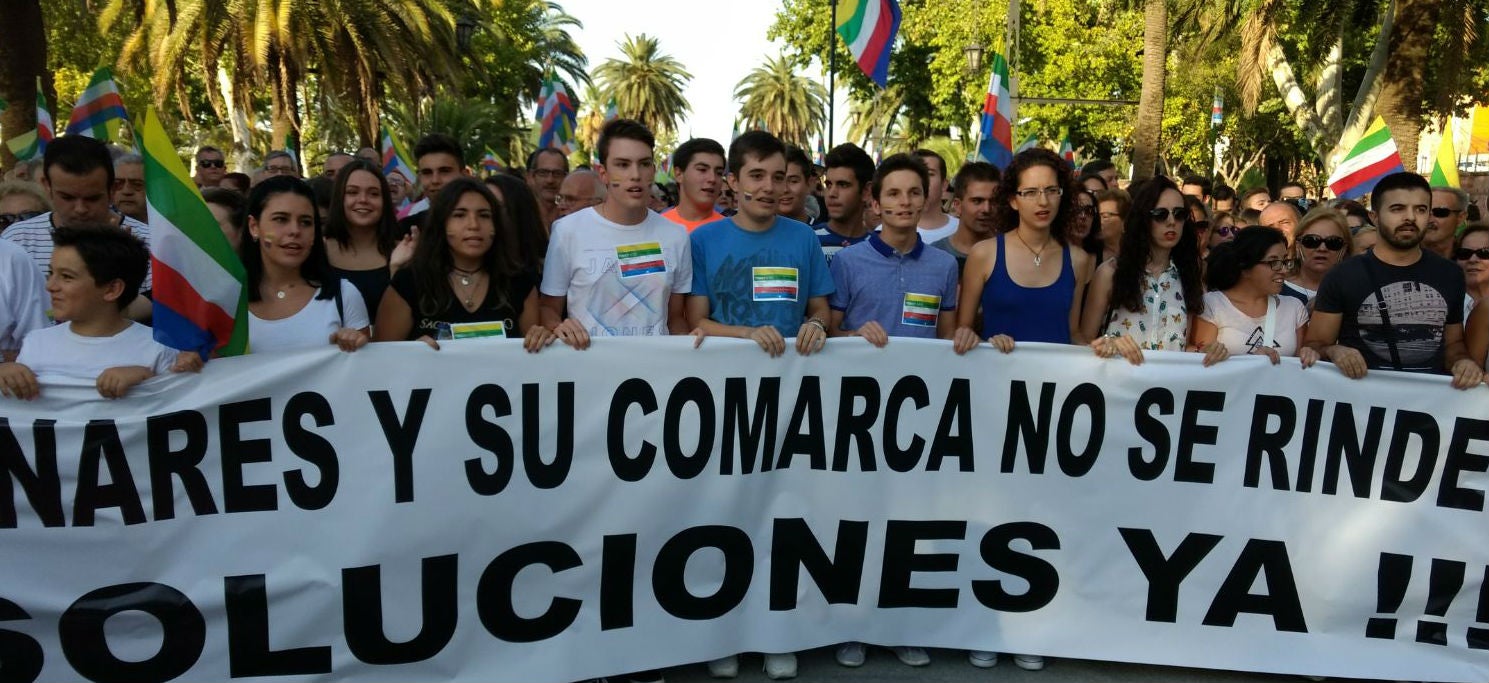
(363, 242)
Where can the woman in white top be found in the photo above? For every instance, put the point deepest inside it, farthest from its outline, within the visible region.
(1244, 309)
(1322, 240)
(293, 300)
(1148, 297)
(1471, 251)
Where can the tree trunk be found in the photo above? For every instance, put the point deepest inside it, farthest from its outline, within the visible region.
(23, 58)
(1150, 104)
(1401, 88)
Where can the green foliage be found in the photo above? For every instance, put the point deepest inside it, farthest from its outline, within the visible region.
(645, 83)
(792, 107)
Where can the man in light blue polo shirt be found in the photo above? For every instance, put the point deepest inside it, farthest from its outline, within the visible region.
(892, 285)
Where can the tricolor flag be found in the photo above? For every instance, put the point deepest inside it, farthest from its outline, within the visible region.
(201, 291)
(99, 112)
(1373, 157)
(1067, 152)
(611, 113)
(868, 28)
(644, 258)
(555, 116)
(1445, 165)
(1029, 143)
(394, 159)
(821, 154)
(996, 146)
(33, 144)
(489, 163)
(1217, 110)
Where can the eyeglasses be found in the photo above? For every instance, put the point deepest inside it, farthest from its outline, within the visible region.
(1444, 212)
(1333, 242)
(550, 173)
(6, 219)
(1460, 253)
(1161, 214)
(136, 184)
(279, 170)
(1280, 265)
(211, 163)
(1032, 193)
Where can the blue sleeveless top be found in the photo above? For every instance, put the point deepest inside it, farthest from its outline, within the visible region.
(1028, 314)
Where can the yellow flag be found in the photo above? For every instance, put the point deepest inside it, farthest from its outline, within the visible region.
(1445, 165)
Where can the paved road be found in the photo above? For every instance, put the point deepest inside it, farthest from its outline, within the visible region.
(949, 666)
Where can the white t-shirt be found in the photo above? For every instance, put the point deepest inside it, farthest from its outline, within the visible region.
(312, 326)
(937, 234)
(23, 296)
(618, 277)
(55, 354)
(1242, 334)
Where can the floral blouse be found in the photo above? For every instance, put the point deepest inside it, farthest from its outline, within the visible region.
(1163, 324)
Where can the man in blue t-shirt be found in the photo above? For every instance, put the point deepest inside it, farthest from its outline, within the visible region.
(758, 275)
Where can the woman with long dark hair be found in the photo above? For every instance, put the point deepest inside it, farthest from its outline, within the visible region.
(1245, 309)
(1150, 295)
(465, 278)
(294, 301)
(523, 219)
(1030, 278)
(363, 243)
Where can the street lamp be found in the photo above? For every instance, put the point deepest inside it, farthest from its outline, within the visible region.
(974, 52)
(465, 27)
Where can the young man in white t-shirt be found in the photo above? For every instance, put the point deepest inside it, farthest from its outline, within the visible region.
(96, 273)
(622, 270)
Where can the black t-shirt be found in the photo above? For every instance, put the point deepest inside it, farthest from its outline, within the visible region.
(1420, 300)
(371, 284)
(492, 308)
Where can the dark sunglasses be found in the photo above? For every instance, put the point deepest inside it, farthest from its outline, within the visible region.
(1161, 214)
(1333, 242)
(1227, 230)
(211, 163)
(1465, 254)
(1444, 212)
(6, 219)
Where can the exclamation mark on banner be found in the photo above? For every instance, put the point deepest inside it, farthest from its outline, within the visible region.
(1446, 581)
(1478, 638)
(1390, 586)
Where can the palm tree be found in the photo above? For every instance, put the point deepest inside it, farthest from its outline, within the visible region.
(646, 84)
(790, 106)
(1150, 103)
(592, 120)
(876, 119)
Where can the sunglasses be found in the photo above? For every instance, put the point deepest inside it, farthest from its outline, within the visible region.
(1460, 253)
(1161, 214)
(211, 163)
(6, 219)
(1333, 242)
(1227, 230)
(1444, 212)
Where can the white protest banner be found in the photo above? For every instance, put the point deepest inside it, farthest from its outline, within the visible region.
(482, 514)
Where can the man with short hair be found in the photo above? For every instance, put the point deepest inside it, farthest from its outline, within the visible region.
(129, 187)
(935, 224)
(1093, 183)
(371, 156)
(1397, 306)
(1224, 198)
(972, 199)
(801, 175)
(1104, 168)
(580, 190)
(280, 162)
(1292, 191)
(850, 170)
(699, 168)
(335, 162)
(1256, 198)
(1196, 186)
(211, 165)
(78, 176)
(237, 182)
(438, 159)
(1282, 216)
(546, 169)
(620, 269)
(1448, 207)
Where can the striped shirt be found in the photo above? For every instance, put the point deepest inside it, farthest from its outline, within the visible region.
(35, 236)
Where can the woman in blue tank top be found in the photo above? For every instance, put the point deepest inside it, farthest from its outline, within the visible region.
(1028, 280)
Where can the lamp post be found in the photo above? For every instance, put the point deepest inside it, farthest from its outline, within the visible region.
(974, 52)
(465, 27)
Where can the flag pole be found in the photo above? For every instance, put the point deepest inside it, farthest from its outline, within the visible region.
(832, 70)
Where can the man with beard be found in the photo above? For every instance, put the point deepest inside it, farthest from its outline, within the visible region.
(1448, 205)
(546, 169)
(972, 199)
(1398, 306)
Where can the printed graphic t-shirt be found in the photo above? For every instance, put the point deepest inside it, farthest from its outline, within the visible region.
(1395, 315)
(759, 278)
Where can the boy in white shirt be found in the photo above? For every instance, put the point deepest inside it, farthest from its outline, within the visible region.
(96, 272)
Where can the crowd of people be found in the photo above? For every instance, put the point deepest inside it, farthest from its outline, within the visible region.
(754, 242)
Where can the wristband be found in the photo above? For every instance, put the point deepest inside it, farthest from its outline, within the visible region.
(820, 325)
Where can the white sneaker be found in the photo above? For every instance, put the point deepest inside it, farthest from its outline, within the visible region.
(1028, 662)
(852, 654)
(982, 659)
(780, 666)
(724, 667)
(911, 656)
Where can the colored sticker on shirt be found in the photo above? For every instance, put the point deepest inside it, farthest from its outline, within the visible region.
(775, 284)
(920, 310)
(640, 259)
(495, 328)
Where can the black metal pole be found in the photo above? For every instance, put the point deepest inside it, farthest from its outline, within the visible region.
(832, 70)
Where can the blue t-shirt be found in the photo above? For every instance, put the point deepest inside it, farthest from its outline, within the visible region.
(759, 278)
(904, 293)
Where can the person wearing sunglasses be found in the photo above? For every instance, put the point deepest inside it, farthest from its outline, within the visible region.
(21, 201)
(1150, 296)
(1222, 229)
(1244, 309)
(211, 166)
(1398, 306)
(1471, 251)
(1082, 217)
(1448, 206)
(1323, 241)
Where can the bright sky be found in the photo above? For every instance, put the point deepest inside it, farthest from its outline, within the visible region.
(718, 42)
